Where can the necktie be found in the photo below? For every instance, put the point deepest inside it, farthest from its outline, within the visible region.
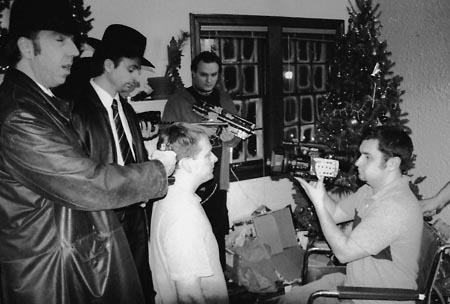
(123, 141)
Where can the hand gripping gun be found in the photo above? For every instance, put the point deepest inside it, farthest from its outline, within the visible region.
(237, 125)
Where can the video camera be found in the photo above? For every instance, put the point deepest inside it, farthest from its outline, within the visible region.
(305, 160)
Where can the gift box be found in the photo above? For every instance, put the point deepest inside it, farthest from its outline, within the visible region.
(274, 228)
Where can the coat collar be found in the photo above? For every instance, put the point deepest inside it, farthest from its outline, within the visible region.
(25, 83)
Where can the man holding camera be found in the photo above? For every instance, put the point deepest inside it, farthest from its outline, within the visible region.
(383, 247)
(206, 70)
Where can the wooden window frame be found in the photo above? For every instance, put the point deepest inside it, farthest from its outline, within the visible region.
(273, 93)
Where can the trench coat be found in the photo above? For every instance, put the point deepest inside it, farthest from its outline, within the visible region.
(59, 240)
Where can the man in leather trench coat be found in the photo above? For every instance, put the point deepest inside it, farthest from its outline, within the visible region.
(59, 243)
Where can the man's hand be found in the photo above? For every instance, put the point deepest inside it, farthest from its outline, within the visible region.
(226, 135)
(168, 159)
(431, 206)
(243, 135)
(148, 130)
(315, 191)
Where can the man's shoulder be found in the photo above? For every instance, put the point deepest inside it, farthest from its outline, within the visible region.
(86, 98)
(401, 190)
(223, 94)
(19, 92)
(179, 107)
(179, 212)
(181, 95)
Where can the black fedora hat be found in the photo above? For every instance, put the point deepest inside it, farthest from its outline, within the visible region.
(32, 15)
(123, 41)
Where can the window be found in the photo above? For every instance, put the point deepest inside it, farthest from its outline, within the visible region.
(307, 54)
(275, 69)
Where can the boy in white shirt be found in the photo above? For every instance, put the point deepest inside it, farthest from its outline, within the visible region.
(184, 255)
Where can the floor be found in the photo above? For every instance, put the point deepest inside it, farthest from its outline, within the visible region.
(240, 295)
(288, 265)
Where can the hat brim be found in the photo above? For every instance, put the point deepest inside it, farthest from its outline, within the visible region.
(100, 48)
(93, 42)
(145, 62)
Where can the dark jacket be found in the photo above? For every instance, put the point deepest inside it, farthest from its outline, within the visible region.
(57, 244)
(90, 120)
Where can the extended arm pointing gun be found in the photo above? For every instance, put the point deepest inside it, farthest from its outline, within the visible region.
(215, 115)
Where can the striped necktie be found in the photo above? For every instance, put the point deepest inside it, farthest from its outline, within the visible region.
(123, 141)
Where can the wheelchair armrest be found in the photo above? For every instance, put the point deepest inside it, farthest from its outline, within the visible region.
(308, 252)
(368, 293)
(373, 293)
(318, 250)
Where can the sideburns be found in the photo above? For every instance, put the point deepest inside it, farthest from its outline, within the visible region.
(36, 46)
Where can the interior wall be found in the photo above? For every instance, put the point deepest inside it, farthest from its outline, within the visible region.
(418, 35)
(159, 20)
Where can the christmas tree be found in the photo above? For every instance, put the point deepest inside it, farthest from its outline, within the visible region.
(80, 13)
(174, 53)
(363, 92)
(4, 4)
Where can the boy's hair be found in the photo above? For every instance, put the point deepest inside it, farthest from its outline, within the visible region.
(392, 142)
(206, 57)
(181, 138)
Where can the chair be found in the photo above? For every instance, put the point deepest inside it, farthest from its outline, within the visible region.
(315, 272)
(432, 250)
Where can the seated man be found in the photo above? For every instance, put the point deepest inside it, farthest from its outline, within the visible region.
(383, 247)
(184, 255)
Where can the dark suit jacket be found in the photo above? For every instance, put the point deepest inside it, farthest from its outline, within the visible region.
(91, 121)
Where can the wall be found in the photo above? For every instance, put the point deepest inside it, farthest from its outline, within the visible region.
(159, 20)
(418, 35)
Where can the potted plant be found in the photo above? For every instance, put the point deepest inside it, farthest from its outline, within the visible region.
(164, 86)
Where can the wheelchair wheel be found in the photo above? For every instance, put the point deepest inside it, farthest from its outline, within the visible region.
(437, 297)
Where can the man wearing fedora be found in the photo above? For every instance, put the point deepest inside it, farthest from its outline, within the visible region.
(59, 240)
(116, 65)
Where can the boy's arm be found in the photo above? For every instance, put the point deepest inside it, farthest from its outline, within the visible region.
(435, 204)
(189, 291)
